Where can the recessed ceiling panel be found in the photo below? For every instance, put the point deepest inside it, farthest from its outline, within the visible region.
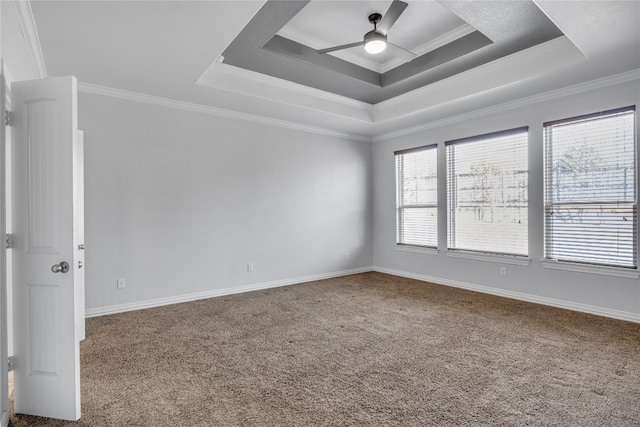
(448, 37)
(426, 26)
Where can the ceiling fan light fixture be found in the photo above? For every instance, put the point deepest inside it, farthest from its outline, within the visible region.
(375, 43)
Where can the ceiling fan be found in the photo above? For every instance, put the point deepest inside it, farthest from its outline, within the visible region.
(375, 41)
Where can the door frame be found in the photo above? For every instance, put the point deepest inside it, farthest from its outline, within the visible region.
(4, 341)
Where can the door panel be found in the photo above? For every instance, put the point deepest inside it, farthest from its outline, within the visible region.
(79, 231)
(46, 315)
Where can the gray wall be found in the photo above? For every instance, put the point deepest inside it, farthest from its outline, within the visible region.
(179, 202)
(608, 295)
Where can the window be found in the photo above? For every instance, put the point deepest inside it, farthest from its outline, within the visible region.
(417, 196)
(590, 189)
(487, 191)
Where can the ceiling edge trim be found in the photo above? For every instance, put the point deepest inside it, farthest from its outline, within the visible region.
(266, 88)
(542, 9)
(94, 89)
(431, 45)
(507, 106)
(420, 50)
(495, 65)
(29, 32)
(222, 67)
(314, 43)
(440, 41)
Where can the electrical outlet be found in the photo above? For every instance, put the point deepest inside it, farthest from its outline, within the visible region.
(121, 283)
(503, 271)
(249, 267)
(347, 256)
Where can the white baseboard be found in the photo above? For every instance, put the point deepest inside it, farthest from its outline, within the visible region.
(600, 311)
(121, 308)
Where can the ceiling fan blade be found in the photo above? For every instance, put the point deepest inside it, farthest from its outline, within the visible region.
(344, 46)
(392, 15)
(400, 52)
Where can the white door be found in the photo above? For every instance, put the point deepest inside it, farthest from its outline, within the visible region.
(45, 255)
(79, 231)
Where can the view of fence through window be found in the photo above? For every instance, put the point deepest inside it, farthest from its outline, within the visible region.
(590, 182)
(487, 190)
(417, 197)
(590, 191)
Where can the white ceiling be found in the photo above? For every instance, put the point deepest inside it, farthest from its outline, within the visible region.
(167, 50)
(427, 25)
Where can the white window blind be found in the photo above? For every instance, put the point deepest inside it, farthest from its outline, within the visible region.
(590, 189)
(417, 196)
(487, 193)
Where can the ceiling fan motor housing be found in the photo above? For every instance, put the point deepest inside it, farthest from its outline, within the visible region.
(373, 35)
(375, 18)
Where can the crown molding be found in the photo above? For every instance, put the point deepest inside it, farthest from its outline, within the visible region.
(430, 45)
(496, 67)
(93, 89)
(511, 105)
(446, 38)
(507, 106)
(29, 31)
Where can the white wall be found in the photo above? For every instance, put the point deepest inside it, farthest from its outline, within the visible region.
(614, 296)
(179, 202)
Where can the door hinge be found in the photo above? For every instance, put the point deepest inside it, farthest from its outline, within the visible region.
(7, 118)
(8, 241)
(10, 364)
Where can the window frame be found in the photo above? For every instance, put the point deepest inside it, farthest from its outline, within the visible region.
(451, 194)
(401, 206)
(549, 261)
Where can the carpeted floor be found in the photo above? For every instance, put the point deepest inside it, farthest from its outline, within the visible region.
(368, 349)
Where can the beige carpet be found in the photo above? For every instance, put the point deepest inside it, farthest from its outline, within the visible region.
(369, 349)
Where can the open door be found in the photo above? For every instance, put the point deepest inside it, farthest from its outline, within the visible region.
(45, 248)
(79, 233)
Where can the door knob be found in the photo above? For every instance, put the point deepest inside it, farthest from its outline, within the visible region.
(63, 267)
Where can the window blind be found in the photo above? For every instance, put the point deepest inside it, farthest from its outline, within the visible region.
(590, 189)
(487, 193)
(417, 196)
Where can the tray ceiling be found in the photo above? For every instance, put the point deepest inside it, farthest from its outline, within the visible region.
(428, 26)
(164, 53)
(449, 37)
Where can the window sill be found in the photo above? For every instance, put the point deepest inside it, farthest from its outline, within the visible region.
(417, 249)
(500, 259)
(592, 269)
